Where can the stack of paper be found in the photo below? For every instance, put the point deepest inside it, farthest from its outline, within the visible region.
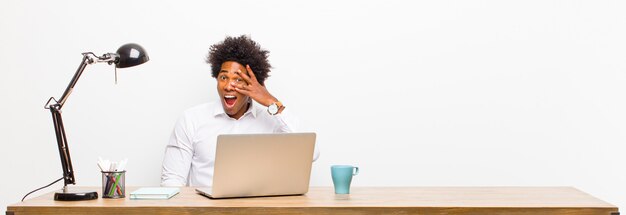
(154, 193)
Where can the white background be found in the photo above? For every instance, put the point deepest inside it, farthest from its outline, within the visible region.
(427, 93)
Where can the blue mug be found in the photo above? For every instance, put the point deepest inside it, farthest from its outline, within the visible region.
(342, 177)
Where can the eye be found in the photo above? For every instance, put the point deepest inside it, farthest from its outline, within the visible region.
(222, 77)
(239, 80)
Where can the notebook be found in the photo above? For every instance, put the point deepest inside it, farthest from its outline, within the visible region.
(154, 193)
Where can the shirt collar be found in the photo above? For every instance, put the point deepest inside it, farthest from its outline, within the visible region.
(219, 110)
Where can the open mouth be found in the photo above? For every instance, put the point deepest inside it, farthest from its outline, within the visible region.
(230, 100)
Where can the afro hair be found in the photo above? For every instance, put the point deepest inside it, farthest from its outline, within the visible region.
(242, 50)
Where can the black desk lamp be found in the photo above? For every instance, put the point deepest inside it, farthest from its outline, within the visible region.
(126, 56)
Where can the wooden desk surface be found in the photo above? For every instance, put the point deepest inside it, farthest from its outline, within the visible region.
(362, 200)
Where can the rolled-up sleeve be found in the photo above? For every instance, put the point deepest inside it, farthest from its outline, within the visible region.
(286, 122)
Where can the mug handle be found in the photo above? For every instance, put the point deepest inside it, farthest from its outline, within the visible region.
(356, 171)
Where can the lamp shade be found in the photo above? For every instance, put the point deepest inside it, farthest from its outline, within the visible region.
(131, 54)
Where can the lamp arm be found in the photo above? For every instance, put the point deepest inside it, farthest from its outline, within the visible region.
(59, 130)
(88, 58)
(64, 150)
(70, 87)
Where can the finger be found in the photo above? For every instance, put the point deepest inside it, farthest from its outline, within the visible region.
(243, 91)
(240, 86)
(251, 73)
(245, 77)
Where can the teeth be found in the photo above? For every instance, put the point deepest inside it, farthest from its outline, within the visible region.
(229, 97)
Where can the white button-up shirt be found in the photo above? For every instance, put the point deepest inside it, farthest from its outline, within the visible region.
(190, 154)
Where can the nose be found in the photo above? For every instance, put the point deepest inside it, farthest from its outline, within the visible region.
(229, 86)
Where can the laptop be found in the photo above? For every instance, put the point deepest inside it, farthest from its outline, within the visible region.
(248, 165)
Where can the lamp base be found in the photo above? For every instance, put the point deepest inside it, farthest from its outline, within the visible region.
(75, 196)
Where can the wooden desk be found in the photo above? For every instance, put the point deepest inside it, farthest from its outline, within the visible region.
(362, 200)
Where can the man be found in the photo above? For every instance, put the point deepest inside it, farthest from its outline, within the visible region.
(240, 67)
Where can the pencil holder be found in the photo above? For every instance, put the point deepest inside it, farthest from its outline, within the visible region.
(113, 184)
